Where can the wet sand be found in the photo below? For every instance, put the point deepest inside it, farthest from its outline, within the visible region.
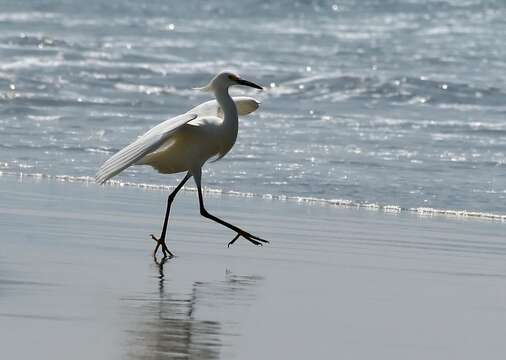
(77, 280)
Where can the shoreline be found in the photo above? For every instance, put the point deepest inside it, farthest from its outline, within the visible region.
(338, 203)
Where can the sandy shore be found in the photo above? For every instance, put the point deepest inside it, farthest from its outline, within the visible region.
(77, 280)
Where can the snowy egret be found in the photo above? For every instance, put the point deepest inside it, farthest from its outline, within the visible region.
(186, 142)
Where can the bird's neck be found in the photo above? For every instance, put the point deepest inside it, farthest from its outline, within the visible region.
(227, 104)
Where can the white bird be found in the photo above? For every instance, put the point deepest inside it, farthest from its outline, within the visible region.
(186, 142)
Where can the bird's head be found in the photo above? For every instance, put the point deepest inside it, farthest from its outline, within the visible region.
(226, 79)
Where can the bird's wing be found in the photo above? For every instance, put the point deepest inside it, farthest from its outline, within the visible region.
(245, 105)
(147, 143)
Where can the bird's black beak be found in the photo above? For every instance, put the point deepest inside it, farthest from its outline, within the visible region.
(249, 83)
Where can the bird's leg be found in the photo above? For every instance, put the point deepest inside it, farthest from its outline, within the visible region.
(240, 232)
(161, 240)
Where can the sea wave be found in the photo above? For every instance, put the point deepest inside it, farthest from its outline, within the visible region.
(306, 200)
(379, 102)
(338, 86)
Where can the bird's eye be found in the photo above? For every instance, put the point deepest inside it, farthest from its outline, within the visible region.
(232, 77)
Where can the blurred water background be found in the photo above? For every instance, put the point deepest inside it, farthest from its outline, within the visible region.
(383, 102)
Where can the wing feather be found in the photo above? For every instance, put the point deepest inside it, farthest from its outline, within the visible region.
(245, 105)
(145, 144)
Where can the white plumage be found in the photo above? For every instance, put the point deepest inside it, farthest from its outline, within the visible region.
(159, 136)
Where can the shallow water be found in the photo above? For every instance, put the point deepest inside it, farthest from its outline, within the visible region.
(77, 280)
(389, 102)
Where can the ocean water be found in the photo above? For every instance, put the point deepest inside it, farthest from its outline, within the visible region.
(397, 104)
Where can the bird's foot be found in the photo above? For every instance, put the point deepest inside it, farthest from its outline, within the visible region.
(165, 250)
(255, 240)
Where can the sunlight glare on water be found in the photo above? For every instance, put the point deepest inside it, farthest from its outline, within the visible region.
(374, 102)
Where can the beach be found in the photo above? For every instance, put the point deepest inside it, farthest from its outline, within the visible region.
(77, 279)
(375, 164)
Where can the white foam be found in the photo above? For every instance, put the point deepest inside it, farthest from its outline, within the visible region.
(394, 209)
(458, 213)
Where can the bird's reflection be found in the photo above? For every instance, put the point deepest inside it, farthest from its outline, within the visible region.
(177, 324)
(160, 264)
